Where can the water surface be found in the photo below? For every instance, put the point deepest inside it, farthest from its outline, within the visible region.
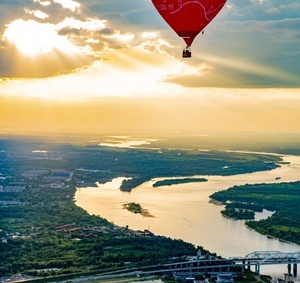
(184, 211)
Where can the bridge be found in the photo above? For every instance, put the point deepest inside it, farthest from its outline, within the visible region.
(199, 265)
(218, 265)
(259, 258)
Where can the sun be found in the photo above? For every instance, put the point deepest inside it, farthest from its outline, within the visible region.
(34, 38)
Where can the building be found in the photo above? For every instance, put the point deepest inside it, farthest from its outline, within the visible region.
(225, 278)
(12, 189)
(61, 174)
(34, 174)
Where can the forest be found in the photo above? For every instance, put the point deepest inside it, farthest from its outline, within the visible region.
(281, 198)
(44, 233)
(50, 235)
(139, 165)
(169, 182)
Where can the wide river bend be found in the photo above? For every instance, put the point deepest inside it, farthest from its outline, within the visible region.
(184, 211)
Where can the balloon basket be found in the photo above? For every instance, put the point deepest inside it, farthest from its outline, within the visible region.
(186, 53)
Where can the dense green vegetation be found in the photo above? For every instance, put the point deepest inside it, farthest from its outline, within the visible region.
(50, 232)
(169, 182)
(43, 232)
(133, 207)
(241, 210)
(143, 165)
(282, 198)
(281, 143)
(237, 213)
(140, 165)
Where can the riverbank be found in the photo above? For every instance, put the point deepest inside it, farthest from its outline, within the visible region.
(176, 181)
(284, 198)
(185, 211)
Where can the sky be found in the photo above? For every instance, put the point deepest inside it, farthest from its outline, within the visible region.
(99, 66)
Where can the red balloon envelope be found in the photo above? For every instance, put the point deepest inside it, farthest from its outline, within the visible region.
(188, 17)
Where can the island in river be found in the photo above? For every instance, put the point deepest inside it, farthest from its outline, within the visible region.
(66, 238)
(170, 182)
(133, 207)
(281, 198)
(136, 208)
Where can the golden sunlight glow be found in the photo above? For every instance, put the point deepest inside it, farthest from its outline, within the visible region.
(150, 35)
(122, 37)
(44, 3)
(90, 24)
(251, 67)
(68, 4)
(122, 76)
(211, 109)
(33, 38)
(84, 66)
(37, 13)
(92, 40)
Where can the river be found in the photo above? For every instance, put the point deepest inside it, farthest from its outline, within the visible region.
(183, 211)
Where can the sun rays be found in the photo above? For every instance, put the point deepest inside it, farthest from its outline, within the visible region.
(34, 38)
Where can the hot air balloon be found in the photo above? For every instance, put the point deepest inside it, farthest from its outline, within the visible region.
(188, 17)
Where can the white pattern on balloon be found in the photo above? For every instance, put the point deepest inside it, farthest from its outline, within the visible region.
(208, 13)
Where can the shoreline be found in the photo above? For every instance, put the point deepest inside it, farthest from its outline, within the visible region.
(215, 202)
(167, 202)
(136, 208)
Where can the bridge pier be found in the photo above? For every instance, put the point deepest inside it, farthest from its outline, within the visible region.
(295, 269)
(289, 268)
(257, 268)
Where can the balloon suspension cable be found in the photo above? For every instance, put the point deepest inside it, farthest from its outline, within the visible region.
(186, 53)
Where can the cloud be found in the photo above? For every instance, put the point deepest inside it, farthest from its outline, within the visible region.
(228, 77)
(15, 64)
(262, 10)
(33, 37)
(88, 24)
(37, 13)
(291, 9)
(262, 36)
(40, 49)
(273, 10)
(43, 3)
(68, 4)
(62, 40)
(271, 44)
